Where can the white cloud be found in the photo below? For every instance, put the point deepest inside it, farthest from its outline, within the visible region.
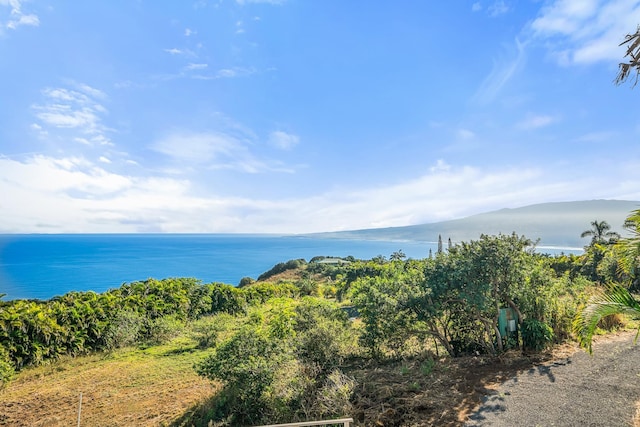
(79, 110)
(586, 31)
(17, 17)
(283, 140)
(465, 134)
(189, 32)
(476, 7)
(74, 195)
(273, 2)
(60, 175)
(239, 27)
(198, 147)
(192, 66)
(498, 8)
(235, 72)
(440, 166)
(536, 121)
(23, 20)
(182, 52)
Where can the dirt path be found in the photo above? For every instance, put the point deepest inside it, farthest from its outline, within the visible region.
(580, 390)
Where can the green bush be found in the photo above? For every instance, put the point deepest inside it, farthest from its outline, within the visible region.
(124, 329)
(6, 367)
(163, 329)
(206, 330)
(245, 281)
(247, 364)
(536, 335)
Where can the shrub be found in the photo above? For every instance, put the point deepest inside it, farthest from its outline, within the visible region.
(163, 329)
(124, 329)
(611, 322)
(245, 281)
(536, 335)
(207, 329)
(6, 367)
(247, 364)
(334, 398)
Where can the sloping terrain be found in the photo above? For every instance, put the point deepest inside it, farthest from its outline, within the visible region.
(158, 386)
(555, 224)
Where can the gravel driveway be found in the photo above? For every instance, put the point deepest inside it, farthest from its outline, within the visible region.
(580, 390)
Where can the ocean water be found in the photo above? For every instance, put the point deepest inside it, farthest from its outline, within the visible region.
(43, 266)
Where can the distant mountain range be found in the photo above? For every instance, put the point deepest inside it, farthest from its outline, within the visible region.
(555, 224)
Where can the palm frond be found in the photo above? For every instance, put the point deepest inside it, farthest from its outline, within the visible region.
(633, 51)
(614, 299)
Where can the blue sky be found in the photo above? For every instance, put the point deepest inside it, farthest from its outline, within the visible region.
(297, 116)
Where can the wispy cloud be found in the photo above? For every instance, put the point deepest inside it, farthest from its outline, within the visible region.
(75, 195)
(502, 72)
(273, 2)
(536, 121)
(76, 108)
(226, 73)
(586, 31)
(180, 52)
(192, 66)
(465, 134)
(214, 150)
(239, 27)
(597, 137)
(17, 17)
(283, 140)
(497, 8)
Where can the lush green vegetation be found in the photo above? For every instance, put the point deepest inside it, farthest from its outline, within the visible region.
(279, 346)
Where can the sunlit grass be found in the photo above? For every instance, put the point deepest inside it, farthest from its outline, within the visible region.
(133, 386)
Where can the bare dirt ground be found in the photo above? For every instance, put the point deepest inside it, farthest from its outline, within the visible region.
(571, 390)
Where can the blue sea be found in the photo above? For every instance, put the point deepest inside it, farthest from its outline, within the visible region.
(43, 266)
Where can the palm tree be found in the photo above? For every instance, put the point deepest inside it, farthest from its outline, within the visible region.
(614, 298)
(630, 247)
(600, 233)
(633, 52)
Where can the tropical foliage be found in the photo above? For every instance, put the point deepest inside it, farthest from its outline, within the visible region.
(278, 346)
(616, 297)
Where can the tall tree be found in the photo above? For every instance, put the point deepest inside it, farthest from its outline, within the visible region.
(439, 243)
(633, 53)
(601, 239)
(600, 233)
(615, 298)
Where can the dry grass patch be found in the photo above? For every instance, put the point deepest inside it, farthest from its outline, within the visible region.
(129, 387)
